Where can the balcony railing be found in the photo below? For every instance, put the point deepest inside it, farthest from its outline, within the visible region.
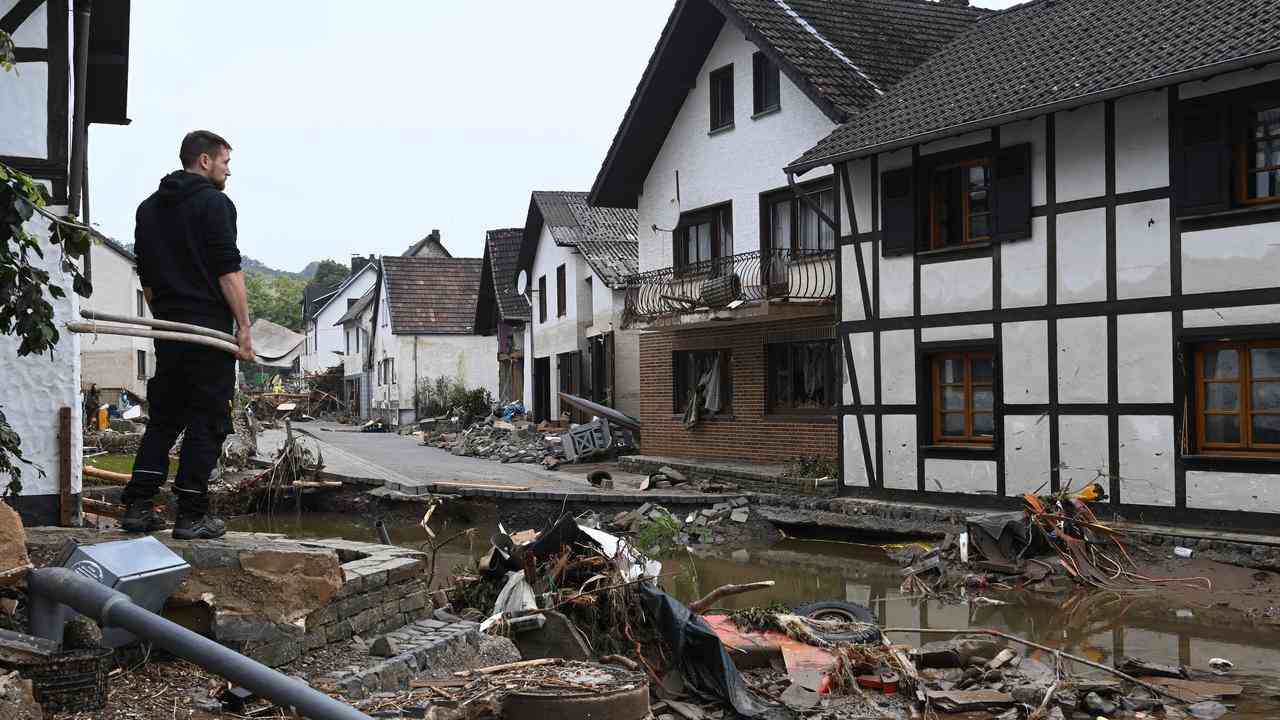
(720, 282)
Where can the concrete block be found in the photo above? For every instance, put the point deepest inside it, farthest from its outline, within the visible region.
(403, 568)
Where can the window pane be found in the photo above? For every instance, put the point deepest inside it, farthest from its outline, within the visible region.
(982, 368)
(983, 424)
(1222, 428)
(979, 202)
(809, 228)
(1265, 184)
(1221, 396)
(953, 425)
(827, 235)
(1266, 429)
(1266, 396)
(781, 225)
(979, 227)
(982, 399)
(726, 232)
(977, 177)
(952, 398)
(1221, 364)
(1268, 122)
(952, 371)
(1264, 362)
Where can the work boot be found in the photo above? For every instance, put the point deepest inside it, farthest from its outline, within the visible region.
(199, 527)
(141, 517)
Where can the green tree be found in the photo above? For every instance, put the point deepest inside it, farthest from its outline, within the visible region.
(277, 298)
(328, 274)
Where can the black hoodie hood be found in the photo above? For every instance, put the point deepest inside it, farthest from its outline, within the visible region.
(180, 185)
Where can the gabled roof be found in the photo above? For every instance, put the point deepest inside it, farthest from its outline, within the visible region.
(613, 261)
(324, 302)
(502, 255)
(314, 298)
(843, 54)
(1052, 55)
(429, 246)
(570, 220)
(429, 295)
(357, 307)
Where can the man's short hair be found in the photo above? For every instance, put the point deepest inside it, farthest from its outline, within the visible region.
(200, 142)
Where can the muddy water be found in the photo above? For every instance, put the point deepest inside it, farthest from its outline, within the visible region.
(1100, 626)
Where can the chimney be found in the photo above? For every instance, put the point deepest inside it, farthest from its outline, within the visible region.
(358, 262)
(434, 236)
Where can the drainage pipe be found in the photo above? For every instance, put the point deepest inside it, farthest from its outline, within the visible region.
(51, 586)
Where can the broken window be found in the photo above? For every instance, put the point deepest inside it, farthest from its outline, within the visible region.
(708, 374)
(803, 376)
(1238, 396)
(963, 398)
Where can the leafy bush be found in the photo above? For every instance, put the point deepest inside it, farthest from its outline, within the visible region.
(436, 397)
(658, 537)
(812, 466)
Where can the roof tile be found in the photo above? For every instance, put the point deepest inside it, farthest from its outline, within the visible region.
(431, 295)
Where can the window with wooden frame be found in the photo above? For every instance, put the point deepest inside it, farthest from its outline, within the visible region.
(765, 82)
(721, 92)
(803, 377)
(790, 224)
(562, 302)
(542, 298)
(689, 369)
(1227, 151)
(1238, 397)
(960, 204)
(703, 236)
(1258, 155)
(963, 398)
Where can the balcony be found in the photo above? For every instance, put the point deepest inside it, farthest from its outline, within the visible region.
(751, 284)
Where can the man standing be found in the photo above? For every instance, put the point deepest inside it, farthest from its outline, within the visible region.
(189, 266)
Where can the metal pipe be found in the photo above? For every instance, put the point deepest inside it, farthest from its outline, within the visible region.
(79, 123)
(49, 587)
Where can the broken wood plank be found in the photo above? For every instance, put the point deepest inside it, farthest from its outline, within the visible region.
(1194, 691)
(100, 474)
(508, 666)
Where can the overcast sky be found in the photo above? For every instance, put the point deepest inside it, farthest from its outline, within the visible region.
(359, 127)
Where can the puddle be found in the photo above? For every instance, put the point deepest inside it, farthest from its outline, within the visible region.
(1101, 626)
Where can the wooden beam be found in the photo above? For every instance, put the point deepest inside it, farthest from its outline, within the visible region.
(66, 509)
(18, 14)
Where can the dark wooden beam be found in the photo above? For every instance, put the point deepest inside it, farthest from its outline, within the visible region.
(66, 503)
(18, 14)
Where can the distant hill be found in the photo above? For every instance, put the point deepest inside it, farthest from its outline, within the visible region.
(251, 265)
(309, 271)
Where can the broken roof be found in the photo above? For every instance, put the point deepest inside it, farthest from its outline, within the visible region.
(613, 261)
(502, 252)
(1051, 55)
(274, 344)
(570, 220)
(843, 54)
(432, 295)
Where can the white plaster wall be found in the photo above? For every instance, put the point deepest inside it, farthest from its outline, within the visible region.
(1025, 363)
(1082, 256)
(1233, 491)
(957, 332)
(1082, 360)
(899, 433)
(1243, 315)
(860, 172)
(1024, 268)
(1238, 258)
(1146, 459)
(558, 334)
(327, 342)
(863, 349)
(1026, 452)
(960, 476)
(626, 372)
(35, 387)
(735, 165)
(24, 91)
(955, 143)
(897, 286)
(1030, 131)
(850, 287)
(955, 286)
(855, 471)
(469, 358)
(1142, 141)
(1079, 150)
(1082, 450)
(1142, 249)
(1229, 81)
(897, 367)
(1144, 356)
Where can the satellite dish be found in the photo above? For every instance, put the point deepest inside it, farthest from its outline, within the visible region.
(522, 282)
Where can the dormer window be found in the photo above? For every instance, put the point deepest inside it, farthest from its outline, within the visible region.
(722, 98)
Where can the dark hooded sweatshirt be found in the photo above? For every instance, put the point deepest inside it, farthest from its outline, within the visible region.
(185, 239)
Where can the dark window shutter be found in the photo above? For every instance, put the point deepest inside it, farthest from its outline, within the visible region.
(1203, 165)
(898, 211)
(1012, 188)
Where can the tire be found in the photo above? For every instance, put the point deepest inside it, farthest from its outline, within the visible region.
(844, 612)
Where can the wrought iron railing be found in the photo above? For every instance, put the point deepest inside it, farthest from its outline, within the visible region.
(720, 282)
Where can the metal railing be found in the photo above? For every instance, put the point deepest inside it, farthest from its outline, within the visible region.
(713, 284)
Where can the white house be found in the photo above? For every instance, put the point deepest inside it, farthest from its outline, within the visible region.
(577, 258)
(424, 314)
(1071, 263)
(324, 344)
(357, 373)
(36, 138)
(116, 363)
(737, 273)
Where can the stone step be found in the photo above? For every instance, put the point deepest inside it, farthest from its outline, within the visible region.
(420, 644)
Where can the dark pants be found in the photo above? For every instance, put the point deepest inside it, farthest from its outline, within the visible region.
(192, 390)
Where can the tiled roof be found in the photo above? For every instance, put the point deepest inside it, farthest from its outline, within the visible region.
(1050, 54)
(504, 259)
(841, 53)
(571, 220)
(357, 307)
(428, 295)
(613, 261)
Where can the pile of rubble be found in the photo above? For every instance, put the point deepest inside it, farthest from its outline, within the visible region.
(708, 525)
(493, 439)
(114, 441)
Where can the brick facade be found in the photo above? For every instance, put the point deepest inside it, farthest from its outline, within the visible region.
(749, 433)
